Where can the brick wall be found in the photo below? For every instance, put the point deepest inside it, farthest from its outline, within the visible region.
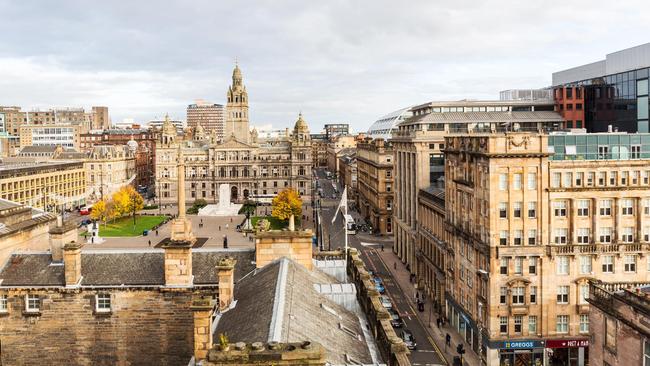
(145, 327)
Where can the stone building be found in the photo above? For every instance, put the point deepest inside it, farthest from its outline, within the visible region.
(12, 118)
(319, 150)
(43, 185)
(529, 220)
(66, 135)
(142, 141)
(348, 174)
(418, 145)
(22, 228)
(252, 167)
(209, 115)
(336, 147)
(375, 184)
(619, 323)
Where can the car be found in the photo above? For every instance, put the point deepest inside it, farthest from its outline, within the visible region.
(408, 339)
(376, 279)
(380, 287)
(385, 302)
(395, 320)
(84, 222)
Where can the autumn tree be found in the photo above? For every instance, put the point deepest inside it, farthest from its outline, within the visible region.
(100, 211)
(127, 201)
(285, 204)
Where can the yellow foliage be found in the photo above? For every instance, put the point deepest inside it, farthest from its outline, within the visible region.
(127, 201)
(286, 203)
(99, 211)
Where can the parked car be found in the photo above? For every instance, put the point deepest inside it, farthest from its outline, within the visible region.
(408, 339)
(385, 302)
(380, 287)
(395, 320)
(84, 222)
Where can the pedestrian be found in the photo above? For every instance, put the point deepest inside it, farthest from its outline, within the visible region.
(149, 242)
(447, 341)
(156, 232)
(201, 221)
(225, 241)
(438, 322)
(226, 226)
(231, 219)
(395, 265)
(219, 227)
(382, 247)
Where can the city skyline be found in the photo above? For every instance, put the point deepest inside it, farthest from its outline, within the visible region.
(318, 59)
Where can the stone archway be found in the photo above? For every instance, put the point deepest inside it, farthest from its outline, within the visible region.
(233, 194)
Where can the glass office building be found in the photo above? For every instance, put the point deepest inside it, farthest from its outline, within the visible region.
(615, 90)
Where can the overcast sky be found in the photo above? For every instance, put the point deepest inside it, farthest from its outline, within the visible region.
(334, 60)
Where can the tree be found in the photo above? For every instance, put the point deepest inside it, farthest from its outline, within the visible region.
(127, 201)
(285, 204)
(100, 211)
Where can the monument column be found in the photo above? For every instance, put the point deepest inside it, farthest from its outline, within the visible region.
(181, 183)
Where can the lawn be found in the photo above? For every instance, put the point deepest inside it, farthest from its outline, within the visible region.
(276, 224)
(124, 226)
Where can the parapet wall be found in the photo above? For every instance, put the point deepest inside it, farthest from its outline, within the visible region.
(272, 353)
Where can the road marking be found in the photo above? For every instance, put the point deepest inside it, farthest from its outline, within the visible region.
(368, 244)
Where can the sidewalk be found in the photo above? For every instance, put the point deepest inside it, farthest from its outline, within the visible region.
(401, 277)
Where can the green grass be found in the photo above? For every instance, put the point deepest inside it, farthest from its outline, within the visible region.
(124, 226)
(276, 224)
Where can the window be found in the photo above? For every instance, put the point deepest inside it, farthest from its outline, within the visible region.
(584, 323)
(627, 234)
(630, 263)
(532, 208)
(562, 324)
(532, 237)
(610, 332)
(579, 178)
(518, 320)
(583, 207)
(605, 207)
(560, 235)
(503, 182)
(605, 235)
(103, 303)
(603, 152)
(503, 324)
(635, 177)
(517, 209)
(590, 178)
(519, 265)
(627, 206)
(516, 181)
(601, 178)
(583, 235)
(562, 267)
(518, 294)
(560, 208)
(503, 237)
(32, 303)
(532, 324)
(532, 265)
(646, 233)
(563, 294)
(646, 206)
(624, 178)
(608, 264)
(532, 181)
(584, 293)
(503, 295)
(503, 266)
(503, 210)
(612, 178)
(568, 179)
(555, 180)
(4, 303)
(533, 294)
(585, 264)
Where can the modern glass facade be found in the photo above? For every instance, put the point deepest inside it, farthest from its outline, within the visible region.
(599, 146)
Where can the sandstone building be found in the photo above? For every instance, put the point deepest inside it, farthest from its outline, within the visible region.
(251, 166)
(22, 228)
(529, 219)
(375, 184)
(209, 115)
(418, 146)
(338, 146)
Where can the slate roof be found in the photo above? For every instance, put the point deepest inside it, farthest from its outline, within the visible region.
(114, 268)
(301, 313)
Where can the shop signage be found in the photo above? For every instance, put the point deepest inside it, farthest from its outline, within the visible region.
(523, 344)
(567, 343)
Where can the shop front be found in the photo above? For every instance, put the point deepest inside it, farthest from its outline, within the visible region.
(463, 324)
(567, 352)
(520, 352)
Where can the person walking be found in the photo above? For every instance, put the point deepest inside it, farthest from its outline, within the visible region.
(447, 341)
(149, 242)
(156, 232)
(225, 241)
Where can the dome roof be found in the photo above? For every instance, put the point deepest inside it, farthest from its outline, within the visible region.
(301, 125)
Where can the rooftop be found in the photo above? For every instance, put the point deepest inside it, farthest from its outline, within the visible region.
(599, 146)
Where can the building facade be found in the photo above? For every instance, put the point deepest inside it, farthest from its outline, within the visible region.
(348, 174)
(251, 166)
(319, 150)
(375, 184)
(65, 135)
(529, 220)
(615, 90)
(418, 145)
(209, 115)
(620, 324)
(336, 129)
(22, 228)
(109, 168)
(337, 147)
(44, 185)
(570, 103)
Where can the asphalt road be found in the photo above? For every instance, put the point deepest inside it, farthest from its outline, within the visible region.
(426, 353)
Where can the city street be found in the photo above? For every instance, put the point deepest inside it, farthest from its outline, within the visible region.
(370, 247)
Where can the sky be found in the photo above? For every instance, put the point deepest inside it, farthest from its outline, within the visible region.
(335, 61)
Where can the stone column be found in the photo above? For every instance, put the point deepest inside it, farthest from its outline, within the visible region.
(202, 312)
(181, 184)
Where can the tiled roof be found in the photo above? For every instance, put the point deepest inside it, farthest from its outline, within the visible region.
(114, 268)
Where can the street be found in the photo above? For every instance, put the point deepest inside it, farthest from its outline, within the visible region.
(370, 248)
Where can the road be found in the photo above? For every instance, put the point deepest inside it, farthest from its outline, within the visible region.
(426, 352)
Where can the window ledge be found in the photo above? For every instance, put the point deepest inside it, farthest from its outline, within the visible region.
(31, 313)
(103, 313)
(4, 313)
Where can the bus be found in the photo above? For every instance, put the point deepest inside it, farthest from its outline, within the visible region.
(263, 199)
(350, 226)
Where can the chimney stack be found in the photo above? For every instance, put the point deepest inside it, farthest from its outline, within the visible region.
(226, 276)
(60, 235)
(202, 310)
(72, 263)
(178, 264)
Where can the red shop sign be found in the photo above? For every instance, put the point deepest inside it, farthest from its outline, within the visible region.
(567, 343)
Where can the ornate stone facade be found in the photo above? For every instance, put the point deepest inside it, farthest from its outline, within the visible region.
(375, 184)
(251, 166)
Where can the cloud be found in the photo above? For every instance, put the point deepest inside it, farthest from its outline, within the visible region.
(336, 61)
